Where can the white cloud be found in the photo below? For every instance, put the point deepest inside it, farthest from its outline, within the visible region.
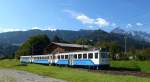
(51, 29)
(45, 28)
(114, 25)
(101, 22)
(139, 24)
(10, 29)
(90, 26)
(129, 25)
(35, 28)
(72, 13)
(85, 19)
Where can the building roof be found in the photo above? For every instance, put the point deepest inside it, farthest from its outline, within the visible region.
(70, 45)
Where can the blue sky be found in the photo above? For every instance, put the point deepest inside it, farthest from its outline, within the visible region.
(74, 14)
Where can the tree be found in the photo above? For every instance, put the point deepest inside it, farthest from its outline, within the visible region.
(83, 41)
(143, 54)
(34, 45)
(113, 47)
(58, 39)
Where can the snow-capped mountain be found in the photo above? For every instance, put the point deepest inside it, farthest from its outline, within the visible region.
(138, 35)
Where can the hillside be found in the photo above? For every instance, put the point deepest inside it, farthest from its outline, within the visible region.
(7, 50)
(18, 37)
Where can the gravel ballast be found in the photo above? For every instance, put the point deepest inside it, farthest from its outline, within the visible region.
(10, 75)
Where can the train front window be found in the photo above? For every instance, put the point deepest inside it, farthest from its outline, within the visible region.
(96, 55)
(90, 55)
(66, 56)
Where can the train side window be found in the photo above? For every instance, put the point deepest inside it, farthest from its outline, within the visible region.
(96, 55)
(84, 56)
(75, 56)
(58, 56)
(47, 57)
(54, 57)
(79, 56)
(90, 55)
(62, 56)
(66, 56)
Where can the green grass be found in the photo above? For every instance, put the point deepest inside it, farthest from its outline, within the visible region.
(69, 74)
(142, 65)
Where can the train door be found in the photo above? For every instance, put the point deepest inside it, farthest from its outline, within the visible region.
(71, 59)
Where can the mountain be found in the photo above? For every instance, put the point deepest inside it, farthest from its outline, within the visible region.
(138, 35)
(19, 37)
(10, 41)
(116, 35)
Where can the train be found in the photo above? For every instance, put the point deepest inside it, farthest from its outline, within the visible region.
(93, 58)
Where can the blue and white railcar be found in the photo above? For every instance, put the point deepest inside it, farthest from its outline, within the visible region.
(25, 59)
(96, 58)
(83, 58)
(41, 59)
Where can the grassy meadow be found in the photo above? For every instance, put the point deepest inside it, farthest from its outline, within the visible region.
(72, 75)
(143, 66)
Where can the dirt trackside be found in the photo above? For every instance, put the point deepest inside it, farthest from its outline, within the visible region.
(9, 75)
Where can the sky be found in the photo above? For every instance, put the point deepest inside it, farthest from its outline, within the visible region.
(22, 15)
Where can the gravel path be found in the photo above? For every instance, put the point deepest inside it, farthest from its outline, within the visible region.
(9, 75)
